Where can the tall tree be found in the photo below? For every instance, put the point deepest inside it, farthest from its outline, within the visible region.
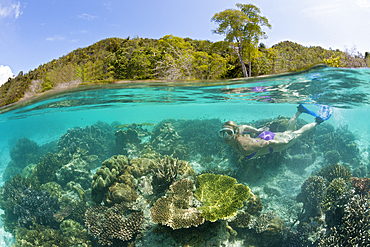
(243, 30)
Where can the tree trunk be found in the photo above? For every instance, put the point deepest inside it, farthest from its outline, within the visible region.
(239, 52)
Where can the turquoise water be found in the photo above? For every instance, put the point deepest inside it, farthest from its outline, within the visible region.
(190, 106)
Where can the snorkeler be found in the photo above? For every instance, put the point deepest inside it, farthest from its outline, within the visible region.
(267, 142)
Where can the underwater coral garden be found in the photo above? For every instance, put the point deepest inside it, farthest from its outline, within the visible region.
(176, 183)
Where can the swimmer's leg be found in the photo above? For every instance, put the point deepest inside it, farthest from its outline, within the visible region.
(305, 129)
(293, 121)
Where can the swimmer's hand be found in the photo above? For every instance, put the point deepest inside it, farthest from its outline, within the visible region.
(262, 129)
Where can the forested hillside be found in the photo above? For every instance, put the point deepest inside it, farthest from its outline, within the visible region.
(171, 58)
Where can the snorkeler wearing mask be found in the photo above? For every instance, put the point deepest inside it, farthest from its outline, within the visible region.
(267, 142)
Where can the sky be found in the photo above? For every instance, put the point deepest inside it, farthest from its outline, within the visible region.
(35, 32)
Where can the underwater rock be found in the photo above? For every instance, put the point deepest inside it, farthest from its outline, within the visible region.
(176, 210)
(332, 157)
(77, 170)
(221, 196)
(112, 225)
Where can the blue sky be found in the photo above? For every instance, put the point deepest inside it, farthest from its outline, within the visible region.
(35, 32)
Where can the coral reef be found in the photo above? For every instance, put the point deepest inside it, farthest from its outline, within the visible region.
(354, 227)
(342, 140)
(107, 175)
(77, 170)
(110, 226)
(24, 152)
(176, 210)
(47, 167)
(124, 137)
(334, 191)
(36, 207)
(335, 171)
(166, 140)
(39, 235)
(97, 139)
(221, 196)
(312, 192)
(362, 186)
(74, 233)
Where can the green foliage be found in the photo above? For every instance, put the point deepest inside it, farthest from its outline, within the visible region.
(221, 196)
(176, 58)
(242, 29)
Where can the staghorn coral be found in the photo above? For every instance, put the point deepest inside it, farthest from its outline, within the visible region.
(110, 226)
(176, 210)
(36, 207)
(312, 191)
(221, 196)
(362, 186)
(335, 171)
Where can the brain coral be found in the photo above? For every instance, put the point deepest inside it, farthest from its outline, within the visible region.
(221, 196)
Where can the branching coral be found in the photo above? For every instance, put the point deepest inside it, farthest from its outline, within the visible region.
(175, 211)
(335, 171)
(221, 196)
(109, 226)
(355, 225)
(36, 207)
(362, 186)
(334, 191)
(312, 191)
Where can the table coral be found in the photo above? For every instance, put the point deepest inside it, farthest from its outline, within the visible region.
(176, 210)
(221, 196)
(110, 226)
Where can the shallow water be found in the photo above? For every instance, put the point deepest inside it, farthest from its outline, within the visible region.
(243, 101)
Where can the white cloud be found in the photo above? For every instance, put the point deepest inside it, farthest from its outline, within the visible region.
(87, 17)
(10, 9)
(55, 38)
(5, 73)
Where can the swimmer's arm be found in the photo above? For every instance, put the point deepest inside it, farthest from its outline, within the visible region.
(252, 129)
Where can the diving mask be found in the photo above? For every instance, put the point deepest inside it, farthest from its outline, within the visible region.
(226, 133)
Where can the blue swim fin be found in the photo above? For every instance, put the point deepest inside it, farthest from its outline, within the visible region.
(303, 109)
(324, 114)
